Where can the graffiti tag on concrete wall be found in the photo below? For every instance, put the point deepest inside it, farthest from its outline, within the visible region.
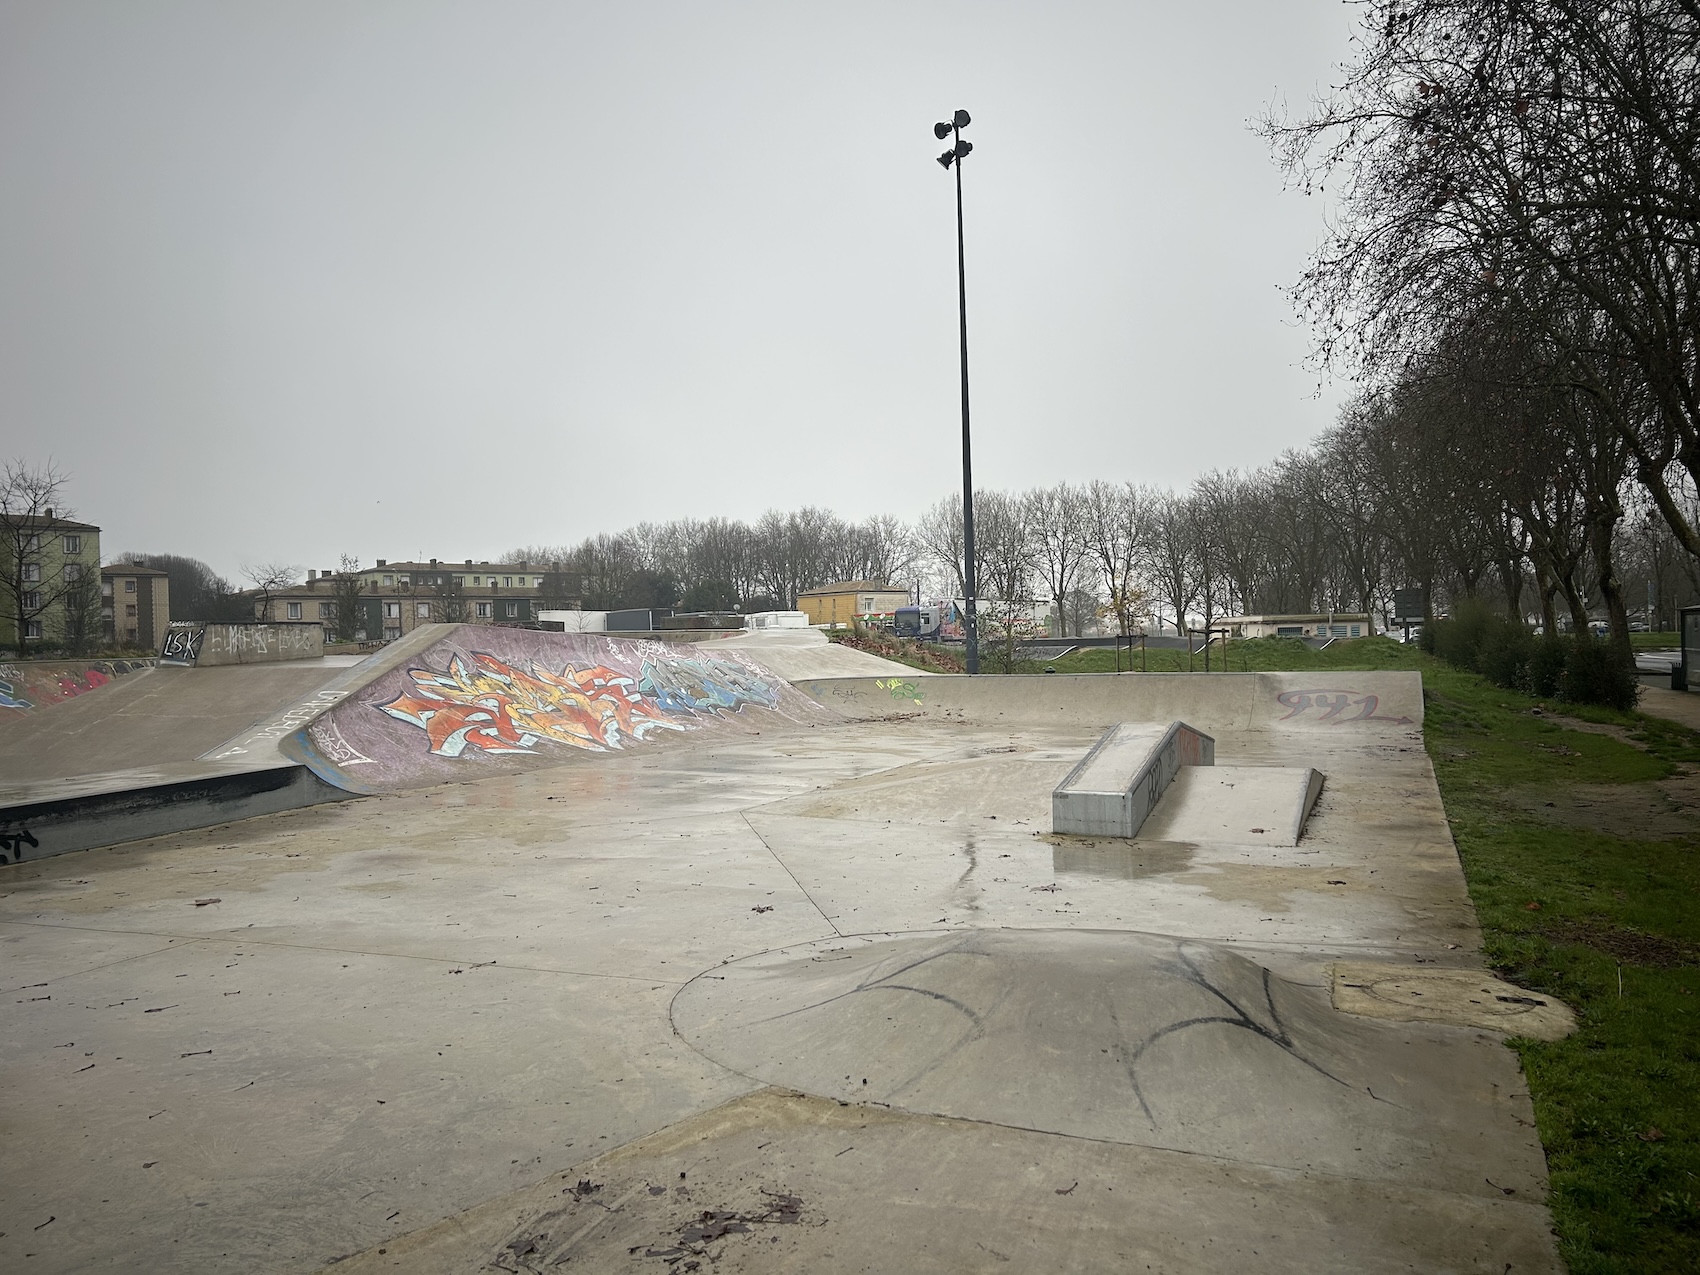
(1334, 707)
(900, 688)
(194, 642)
(489, 705)
(12, 843)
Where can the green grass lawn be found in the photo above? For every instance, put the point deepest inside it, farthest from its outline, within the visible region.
(1579, 833)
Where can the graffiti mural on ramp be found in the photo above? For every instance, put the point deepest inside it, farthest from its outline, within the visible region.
(485, 700)
(487, 704)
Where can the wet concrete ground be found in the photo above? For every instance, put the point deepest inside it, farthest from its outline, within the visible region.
(409, 1027)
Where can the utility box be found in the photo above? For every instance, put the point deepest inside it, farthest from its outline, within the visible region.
(638, 621)
(1686, 675)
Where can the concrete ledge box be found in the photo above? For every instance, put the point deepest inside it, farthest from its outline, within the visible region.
(1117, 785)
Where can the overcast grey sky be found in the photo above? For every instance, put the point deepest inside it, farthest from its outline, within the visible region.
(287, 280)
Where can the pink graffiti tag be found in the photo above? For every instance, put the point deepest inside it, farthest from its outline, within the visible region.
(1335, 703)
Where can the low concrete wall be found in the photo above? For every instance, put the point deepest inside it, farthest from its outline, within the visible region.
(208, 645)
(85, 822)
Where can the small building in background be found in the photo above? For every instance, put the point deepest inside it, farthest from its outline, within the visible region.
(1330, 624)
(841, 603)
(397, 597)
(135, 604)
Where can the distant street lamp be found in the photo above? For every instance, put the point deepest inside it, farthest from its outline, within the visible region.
(956, 154)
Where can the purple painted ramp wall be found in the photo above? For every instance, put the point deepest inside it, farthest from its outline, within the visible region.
(485, 701)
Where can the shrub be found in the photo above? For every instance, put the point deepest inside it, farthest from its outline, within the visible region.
(1459, 640)
(1547, 656)
(1578, 669)
(1594, 673)
(1506, 654)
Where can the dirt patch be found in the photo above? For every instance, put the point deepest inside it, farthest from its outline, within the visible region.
(1629, 947)
(1665, 810)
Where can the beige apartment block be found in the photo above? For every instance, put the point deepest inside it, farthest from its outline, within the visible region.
(397, 597)
(135, 604)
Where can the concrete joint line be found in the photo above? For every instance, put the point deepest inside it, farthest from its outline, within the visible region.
(811, 898)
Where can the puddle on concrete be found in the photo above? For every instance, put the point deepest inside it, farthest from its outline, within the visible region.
(1121, 860)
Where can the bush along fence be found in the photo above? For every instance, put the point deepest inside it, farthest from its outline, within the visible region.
(1576, 668)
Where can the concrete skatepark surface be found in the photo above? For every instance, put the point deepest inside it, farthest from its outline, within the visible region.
(159, 716)
(561, 1013)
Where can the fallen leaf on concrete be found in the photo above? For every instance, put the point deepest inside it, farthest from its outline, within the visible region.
(201, 903)
(762, 907)
(1067, 1190)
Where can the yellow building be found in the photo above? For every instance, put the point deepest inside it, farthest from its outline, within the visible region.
(841, 603)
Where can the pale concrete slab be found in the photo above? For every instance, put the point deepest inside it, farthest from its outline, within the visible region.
(1464, 997)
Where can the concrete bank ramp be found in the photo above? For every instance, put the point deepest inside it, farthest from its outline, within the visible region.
(1351, 704)
(152, 718)
(1119, 1037)
(801, 654)
(462, 702)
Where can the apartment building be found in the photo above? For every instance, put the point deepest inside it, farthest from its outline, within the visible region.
(135, 604)
(397, 597)
(48, 569)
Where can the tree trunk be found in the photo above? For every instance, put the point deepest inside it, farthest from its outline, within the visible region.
(1600, 528)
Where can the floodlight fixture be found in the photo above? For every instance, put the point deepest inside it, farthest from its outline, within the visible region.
(946, 158)
(960, 119)
(942, 131)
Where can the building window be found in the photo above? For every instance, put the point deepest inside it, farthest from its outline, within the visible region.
(32, 571)
(73, 544)
(1355, 630)
(129, 586)
(131, 609)
(513, 610)
(391, 635)
(292, 610)
(32, 544)
(392, 610)
(477, 580)
(73, 571)
(32, 630)
(32, 600)
(522, 582)
(327, 610)
(483, 610)
(389, 579)
(460, 582)
(422, 610)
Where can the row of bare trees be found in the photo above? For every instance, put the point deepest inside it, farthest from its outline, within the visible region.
(1514, 272)
(722, 564)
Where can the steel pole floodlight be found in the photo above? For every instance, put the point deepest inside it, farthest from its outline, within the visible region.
(958, 152)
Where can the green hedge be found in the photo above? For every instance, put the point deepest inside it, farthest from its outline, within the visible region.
(1579, 669)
